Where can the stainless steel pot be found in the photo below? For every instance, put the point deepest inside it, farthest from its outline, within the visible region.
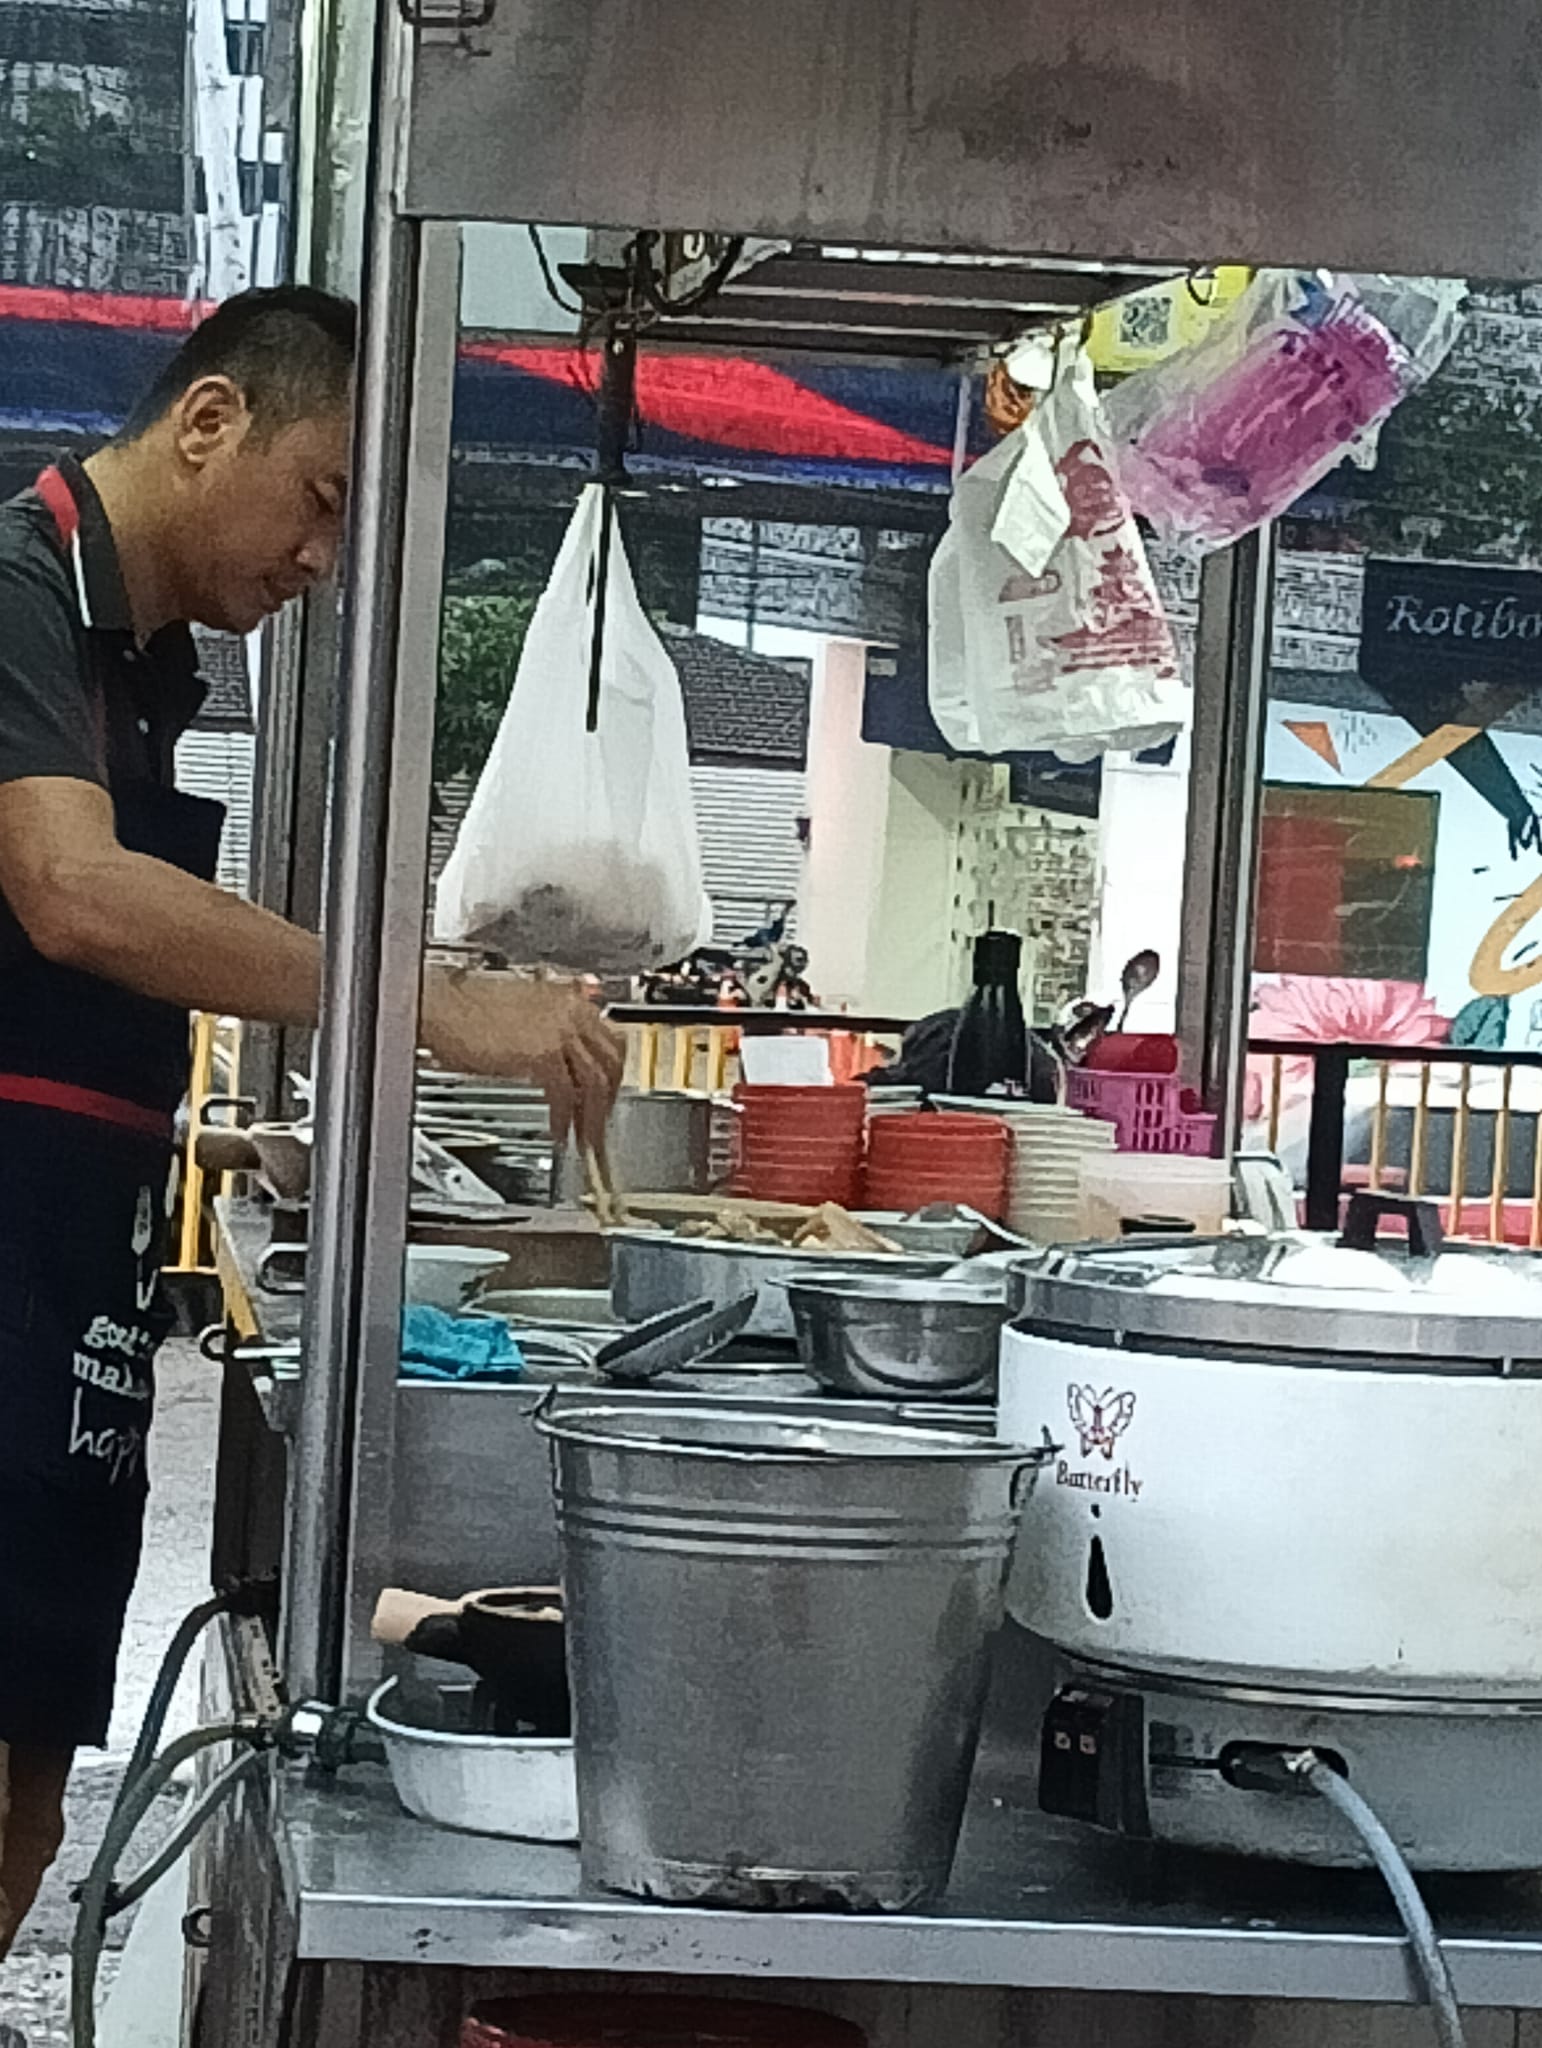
(651, 1271)
(659, 1141)
(778, 1642)
(871, 1334)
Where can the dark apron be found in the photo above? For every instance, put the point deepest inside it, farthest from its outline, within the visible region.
(90, 1078)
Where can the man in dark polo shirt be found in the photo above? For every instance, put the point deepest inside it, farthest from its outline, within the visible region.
(222, 500)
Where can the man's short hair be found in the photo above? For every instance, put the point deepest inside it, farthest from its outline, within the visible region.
(288, 350)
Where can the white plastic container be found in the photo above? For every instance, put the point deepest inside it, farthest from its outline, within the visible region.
(519, 1787)
(443, 1275)
(1139, 1184)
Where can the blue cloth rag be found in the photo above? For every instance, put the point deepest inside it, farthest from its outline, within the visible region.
(439, 1346)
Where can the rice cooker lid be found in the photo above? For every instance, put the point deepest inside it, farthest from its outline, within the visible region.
(1413, 1302)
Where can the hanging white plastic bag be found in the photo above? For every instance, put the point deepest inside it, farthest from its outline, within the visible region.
(1046, 631)
(580, 849)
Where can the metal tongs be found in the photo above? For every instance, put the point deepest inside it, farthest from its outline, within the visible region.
(671, 1342)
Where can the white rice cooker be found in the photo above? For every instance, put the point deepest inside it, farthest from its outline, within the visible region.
(1298, 1503)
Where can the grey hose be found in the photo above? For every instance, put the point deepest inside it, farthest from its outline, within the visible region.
(1429, 1957)
(133, 1889)
(167, 1679)
(96, 1894)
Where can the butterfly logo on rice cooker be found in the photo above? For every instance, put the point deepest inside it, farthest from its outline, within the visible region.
(1100, 1419)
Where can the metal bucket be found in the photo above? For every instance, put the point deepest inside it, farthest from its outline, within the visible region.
(778, 1639)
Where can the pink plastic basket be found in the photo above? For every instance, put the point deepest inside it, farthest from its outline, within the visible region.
(1150, 1112)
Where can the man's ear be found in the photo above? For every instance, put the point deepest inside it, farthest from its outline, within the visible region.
(210, 418)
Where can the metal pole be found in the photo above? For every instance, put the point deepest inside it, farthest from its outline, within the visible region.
(1231, 668)
(342, 1262)
(290, 812)
(1325, 1142)
(414, 682)
(330, 50)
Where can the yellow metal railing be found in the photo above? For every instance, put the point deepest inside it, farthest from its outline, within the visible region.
(1394, 1105)
(704, 1057)
(701, 1057)
(194, 1253)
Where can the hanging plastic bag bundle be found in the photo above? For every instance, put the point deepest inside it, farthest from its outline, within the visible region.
(1227, 435)
(580, 848)
(1046, 630)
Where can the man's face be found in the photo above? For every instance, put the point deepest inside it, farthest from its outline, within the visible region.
(263, 514)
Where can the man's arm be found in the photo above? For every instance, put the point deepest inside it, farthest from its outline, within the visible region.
(88, 903)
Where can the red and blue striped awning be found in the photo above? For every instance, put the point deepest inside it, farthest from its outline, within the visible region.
(72, 364)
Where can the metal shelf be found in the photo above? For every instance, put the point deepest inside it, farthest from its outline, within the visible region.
(1035, 1903)
(1179, 135)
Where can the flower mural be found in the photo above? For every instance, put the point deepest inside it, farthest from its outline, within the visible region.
(1333, 1009)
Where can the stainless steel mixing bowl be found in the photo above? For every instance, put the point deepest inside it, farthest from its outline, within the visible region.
(888, 1335)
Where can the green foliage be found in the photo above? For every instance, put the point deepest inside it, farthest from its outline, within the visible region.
(479, 647)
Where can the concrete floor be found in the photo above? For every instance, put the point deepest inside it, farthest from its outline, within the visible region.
(34, 1983)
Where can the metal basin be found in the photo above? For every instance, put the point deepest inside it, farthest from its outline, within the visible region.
(521, 1787)
(869, 1334)
(652, 1271)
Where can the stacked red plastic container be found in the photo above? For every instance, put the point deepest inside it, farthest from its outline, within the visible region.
(801, 1144)
(628, 2020)
(914, 1161)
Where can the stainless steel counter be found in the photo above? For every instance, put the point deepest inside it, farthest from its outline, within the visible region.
(1035, 1902)
(469, 1478)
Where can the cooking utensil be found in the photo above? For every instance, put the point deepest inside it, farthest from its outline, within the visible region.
(1374, 1417)
(652, 1271)
(221, 1151)
(1119, 1184)
(270, 1258)
(745, 1589)
(284, 1155)
(517, 1787)
(997, 1230)
(441, 1174)
(515, 1639)
(862, 1335)
(1140, 973)
(658, 1139)
(511, 1637)
(943, 1229)
(674, 1340)
(1262, 1191)
(1295, 1508)
(445, 1276)
(584, 1309)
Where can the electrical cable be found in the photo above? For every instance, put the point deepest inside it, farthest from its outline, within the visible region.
(1429, 1958)
(548, 277)
(689, 302)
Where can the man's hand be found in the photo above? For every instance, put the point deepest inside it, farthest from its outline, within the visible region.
(544, 1032)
